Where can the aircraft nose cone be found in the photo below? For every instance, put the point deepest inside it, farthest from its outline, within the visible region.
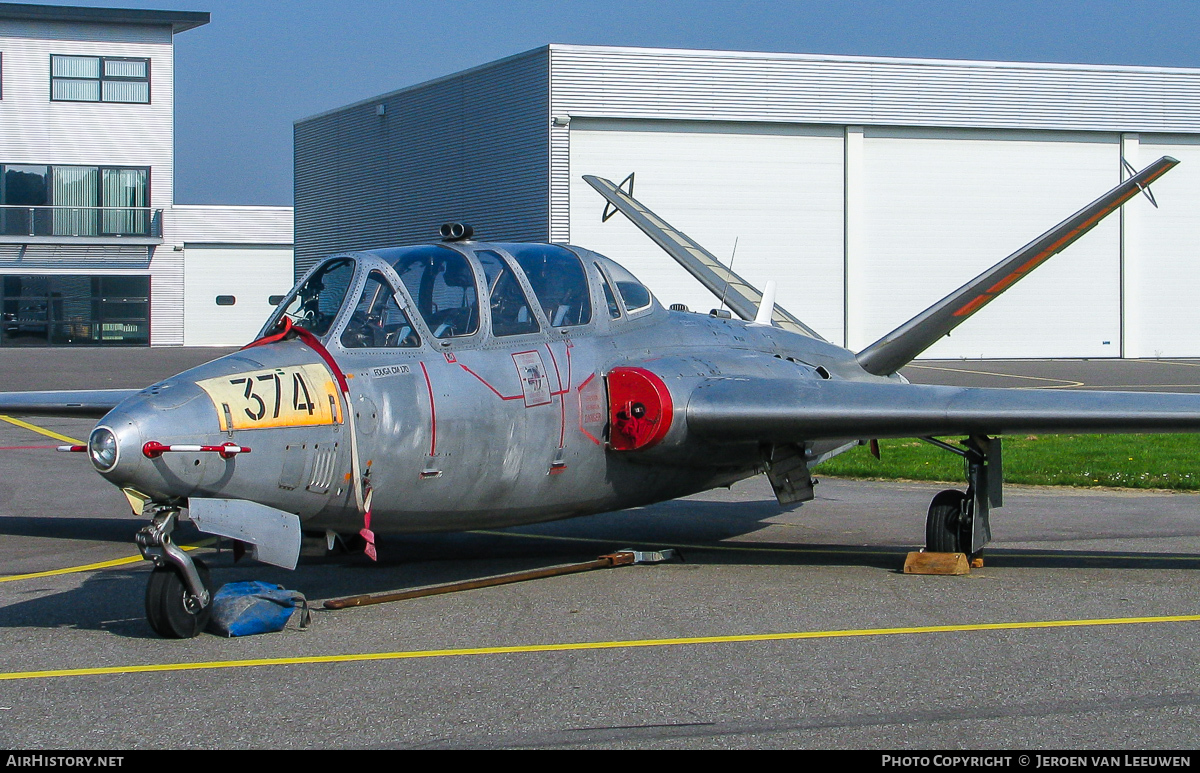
(115, 445)
(166, 413)
(103, 449)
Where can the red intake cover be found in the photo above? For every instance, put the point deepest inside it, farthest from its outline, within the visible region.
(639, 409)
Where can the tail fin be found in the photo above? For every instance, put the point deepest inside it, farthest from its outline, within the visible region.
(738, 294)
(902, 345)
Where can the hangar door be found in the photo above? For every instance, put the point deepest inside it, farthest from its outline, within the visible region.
(940, 206)
(228, 289)
(768, 197)
(1162, 280)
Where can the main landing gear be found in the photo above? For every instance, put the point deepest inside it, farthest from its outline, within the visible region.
(958, 522)
(179, 594)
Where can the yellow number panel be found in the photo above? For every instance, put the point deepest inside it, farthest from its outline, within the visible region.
(297, 396)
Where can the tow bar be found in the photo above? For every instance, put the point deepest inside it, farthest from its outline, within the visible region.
(625, 557)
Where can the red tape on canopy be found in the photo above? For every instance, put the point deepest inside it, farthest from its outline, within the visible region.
(312, 342)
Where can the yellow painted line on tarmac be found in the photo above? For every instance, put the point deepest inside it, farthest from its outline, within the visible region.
(1140, 387)
(1170, 362)
(40, 431)
(1061, 383)
(597, 645)
(72, 569)
(92, 567)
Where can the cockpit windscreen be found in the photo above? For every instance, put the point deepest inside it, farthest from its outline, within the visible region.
(316, 304)
(378, 322)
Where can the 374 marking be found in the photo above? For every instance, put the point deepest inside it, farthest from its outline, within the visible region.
(301, 399)
(281, 397)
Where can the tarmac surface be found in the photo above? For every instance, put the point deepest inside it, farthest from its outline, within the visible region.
(783, 628)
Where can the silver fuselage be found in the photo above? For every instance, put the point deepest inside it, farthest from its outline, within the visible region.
(451, 435)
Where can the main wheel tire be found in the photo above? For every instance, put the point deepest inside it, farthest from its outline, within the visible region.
(167, 607)
(944, 526)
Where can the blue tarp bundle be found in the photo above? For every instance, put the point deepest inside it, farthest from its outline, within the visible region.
(247, 608)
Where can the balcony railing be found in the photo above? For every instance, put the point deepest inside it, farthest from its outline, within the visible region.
(20, 220)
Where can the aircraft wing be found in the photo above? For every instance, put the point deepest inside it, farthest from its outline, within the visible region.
(738, 294)
(92, 403)
(788, 411)
(905, 343)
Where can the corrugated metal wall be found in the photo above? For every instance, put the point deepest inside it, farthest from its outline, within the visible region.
(727, 85)
(166, 297)
(69, 258)
(471, 147)
(229, 224)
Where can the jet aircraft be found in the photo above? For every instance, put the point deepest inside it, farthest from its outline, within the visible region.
(467, 384)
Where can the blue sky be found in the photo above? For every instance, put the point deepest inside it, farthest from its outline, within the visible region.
(243, 79)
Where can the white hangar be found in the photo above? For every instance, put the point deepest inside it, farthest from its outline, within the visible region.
(93, 249)
(866, 187)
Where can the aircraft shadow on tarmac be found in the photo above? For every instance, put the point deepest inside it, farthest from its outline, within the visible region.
(112, 599)
(70, 527)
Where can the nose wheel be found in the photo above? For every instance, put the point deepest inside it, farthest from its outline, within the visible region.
(179, 594)
(171, 608)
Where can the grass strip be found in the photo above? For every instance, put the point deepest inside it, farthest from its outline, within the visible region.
(1120, 461)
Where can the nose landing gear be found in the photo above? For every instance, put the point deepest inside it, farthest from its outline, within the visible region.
(179, 594)
(173, 610)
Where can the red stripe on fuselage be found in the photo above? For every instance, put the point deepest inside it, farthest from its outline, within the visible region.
(432, 413)
(562, 403)
(489, 386)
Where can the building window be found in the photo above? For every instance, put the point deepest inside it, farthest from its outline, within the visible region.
(99, 79)
(41, 200)
(75, 311)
